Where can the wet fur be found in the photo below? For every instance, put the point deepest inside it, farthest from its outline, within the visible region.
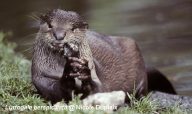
(118, 64)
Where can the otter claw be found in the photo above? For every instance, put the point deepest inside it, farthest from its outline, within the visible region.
(74, 59)
(76, 65)
(83, 77)
(74, 74)
(79, 76)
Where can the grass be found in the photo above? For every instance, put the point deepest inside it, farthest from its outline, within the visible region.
(16, 89)
(15, 84)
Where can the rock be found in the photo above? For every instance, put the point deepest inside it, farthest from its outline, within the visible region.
(111, 99)
(165, 100)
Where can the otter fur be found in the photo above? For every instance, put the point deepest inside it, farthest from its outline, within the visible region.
(109, 63)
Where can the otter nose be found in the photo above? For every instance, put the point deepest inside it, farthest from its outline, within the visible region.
(59, 34)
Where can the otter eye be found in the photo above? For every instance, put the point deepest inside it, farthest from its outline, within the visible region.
(49, 25)
(73, 28)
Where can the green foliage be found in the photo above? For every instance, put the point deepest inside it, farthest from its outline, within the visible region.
(15, 84)
(16, 89)
(174, 110)
(143, 105)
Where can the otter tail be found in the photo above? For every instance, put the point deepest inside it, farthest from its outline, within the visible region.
(158, 82)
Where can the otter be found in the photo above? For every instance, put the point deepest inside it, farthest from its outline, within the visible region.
(102, 63)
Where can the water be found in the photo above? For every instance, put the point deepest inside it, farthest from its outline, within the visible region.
(162, 28)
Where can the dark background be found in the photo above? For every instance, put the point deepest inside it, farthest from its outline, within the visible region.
(162, 28)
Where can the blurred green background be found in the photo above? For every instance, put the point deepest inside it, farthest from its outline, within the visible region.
(162, 28)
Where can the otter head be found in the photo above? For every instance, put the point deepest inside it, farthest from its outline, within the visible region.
(58, 25)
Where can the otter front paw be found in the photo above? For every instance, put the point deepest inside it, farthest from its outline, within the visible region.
(79, 68)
